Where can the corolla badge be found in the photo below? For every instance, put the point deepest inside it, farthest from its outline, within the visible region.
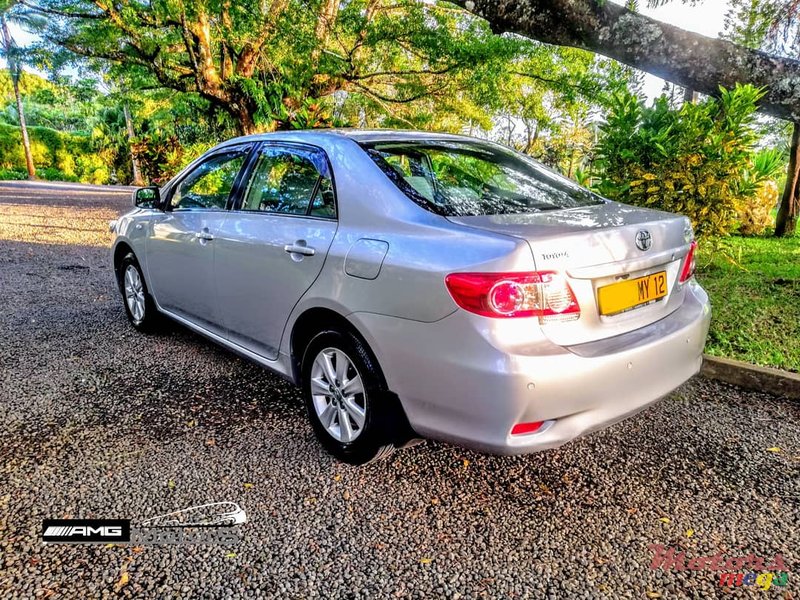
(643, 240)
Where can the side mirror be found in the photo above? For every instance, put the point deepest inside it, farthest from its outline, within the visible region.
(147, 197)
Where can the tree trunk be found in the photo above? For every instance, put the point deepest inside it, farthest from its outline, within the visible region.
(26, 142)
(682, 57)
(244, 117)
(15, 71)
(786, 222)
(138, 180)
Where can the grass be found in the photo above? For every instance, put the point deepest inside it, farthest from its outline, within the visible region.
(756, 300)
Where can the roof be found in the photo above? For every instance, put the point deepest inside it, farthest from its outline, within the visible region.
(359, 135)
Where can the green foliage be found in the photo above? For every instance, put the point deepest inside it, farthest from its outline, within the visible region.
(696, 160)
(160, 154)
(55, 104)
(768, 163)
(58, 155)
(757, 206)
(12, 174)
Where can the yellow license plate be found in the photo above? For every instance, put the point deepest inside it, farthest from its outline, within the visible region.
(622, 296)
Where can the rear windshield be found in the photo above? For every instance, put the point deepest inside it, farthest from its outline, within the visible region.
(469, 179)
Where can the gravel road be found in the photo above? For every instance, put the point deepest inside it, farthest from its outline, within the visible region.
(97, 420)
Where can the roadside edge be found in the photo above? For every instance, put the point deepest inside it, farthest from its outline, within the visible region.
(753, 377)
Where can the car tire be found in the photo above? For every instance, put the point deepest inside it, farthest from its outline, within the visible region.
(334, 416)
(139, 305)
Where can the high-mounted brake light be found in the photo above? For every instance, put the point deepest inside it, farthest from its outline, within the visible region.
(689, 263)
(543, 294)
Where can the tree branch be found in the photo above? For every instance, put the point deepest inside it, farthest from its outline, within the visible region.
(682, 57)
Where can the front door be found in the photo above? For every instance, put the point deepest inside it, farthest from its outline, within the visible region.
(182, 240)
(272, 246)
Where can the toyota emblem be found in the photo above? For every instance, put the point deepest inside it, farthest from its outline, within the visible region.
(643, 240)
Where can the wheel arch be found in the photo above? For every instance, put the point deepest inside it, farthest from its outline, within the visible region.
(316, 320)
(121, 250)
(313, 321)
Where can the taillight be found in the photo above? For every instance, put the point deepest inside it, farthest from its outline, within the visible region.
(543, 294)
(689, 263)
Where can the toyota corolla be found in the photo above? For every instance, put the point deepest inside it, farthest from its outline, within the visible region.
(419, 285)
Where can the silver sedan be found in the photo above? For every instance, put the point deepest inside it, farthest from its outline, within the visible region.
(419, 285)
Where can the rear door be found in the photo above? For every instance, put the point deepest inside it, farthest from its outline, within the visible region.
(181, 241)
(272, 246)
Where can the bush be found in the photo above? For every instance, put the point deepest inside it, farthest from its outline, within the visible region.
(695, 160)
(12, 174)
(57, 155)
(755, 215)
(53, 174)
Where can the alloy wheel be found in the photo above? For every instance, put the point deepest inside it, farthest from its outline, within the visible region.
(134, 293)
(338, 395)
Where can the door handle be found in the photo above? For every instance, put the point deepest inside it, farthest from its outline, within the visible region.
(204, 236)
(299, 249)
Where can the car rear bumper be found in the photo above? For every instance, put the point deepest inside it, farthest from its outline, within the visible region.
(460, 381)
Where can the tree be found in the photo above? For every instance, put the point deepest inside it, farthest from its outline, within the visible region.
(683, 57)
(271, 63)
(12, 55)
(137, 170)
(771, 25)
(694, 61)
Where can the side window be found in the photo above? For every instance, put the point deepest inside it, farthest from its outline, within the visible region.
(324, 204)
(414, 170)
(289, 181)
(210, 184)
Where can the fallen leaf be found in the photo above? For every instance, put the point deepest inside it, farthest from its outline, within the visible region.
(774, 449)
(247, 486)
(664, 519)
(632, 510)
(653, 594)
(211, 442)
(109, 545)
(434, 501)
(122, 582)
(346, 495)
(171, 484)
(689, 532)
(191, 423)
(337, 477)
(466, 463)
(425, 561)
(230, 555)
(137, 549)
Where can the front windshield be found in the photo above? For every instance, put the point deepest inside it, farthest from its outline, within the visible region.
(470, 179)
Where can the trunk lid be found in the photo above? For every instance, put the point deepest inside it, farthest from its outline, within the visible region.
(594, 247)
